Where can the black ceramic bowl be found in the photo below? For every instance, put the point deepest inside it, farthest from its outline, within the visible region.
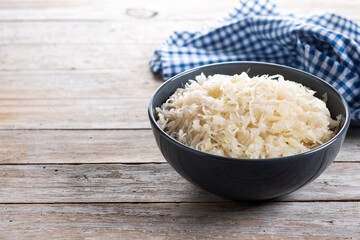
(249, 179)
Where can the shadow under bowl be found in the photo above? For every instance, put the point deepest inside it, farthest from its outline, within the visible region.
(249, 179)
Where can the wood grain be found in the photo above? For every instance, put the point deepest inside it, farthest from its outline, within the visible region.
(75, 56)
(94, 32)
(144, 183)
(330, 220)
(94, 113)
(117, 10)
(77, 84)
(112, 10)
(90, 146)
(97, 146)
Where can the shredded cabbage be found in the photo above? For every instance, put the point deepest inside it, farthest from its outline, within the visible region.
(242, 117)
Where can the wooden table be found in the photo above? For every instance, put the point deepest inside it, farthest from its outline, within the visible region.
(78, 159)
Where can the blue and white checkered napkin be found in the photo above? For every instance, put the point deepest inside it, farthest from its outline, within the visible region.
(325, 45)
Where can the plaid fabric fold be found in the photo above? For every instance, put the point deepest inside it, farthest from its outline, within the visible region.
(326, 45)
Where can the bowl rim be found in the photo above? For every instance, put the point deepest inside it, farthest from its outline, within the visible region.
(342, 131)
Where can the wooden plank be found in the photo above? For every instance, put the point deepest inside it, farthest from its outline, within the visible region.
(78, 84)
(96, 146)
(112, 10)
(120, 57)
(329, 220)
(145, 183)
(74, 113)
(93, 32)
(96, 183)
(118, 10)
(350, 150)
(51, 147)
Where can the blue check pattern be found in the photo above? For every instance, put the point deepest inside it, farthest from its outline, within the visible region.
(326, 45)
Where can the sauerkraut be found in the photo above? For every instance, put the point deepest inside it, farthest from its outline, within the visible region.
(242, 117)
